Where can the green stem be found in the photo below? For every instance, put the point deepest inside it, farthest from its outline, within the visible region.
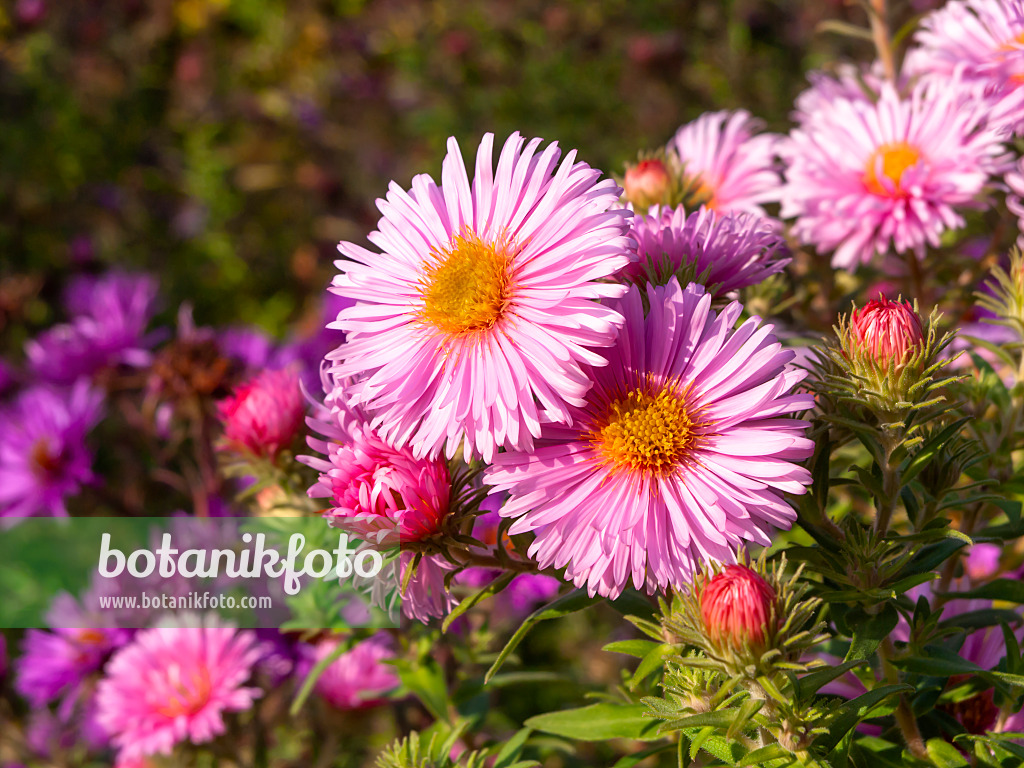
(904, 715)
(879, 15)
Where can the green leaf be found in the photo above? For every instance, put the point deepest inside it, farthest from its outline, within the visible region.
(945, 755)
(479, 596)
(764, 754)
(720, 718)
(937, 662)
(513, 748)
(986, 617)
(426, 681)
(870, 631)
(932, 556)
(717, 746)
(574, 601)
(852, 712)
(598, 722)
(811, 683)
(636, 648)
(630, 760)
(1010, 590)
(651, 663)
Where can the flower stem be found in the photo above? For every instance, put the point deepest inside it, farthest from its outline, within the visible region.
(879, 15)
(904, 715)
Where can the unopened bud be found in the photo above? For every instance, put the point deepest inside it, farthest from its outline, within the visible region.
(886, 331)
(264, 414)
(647, 183)
(737, 606)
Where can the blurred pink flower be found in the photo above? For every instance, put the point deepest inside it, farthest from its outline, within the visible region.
(264, 415)
(171, 685)
(734, 168)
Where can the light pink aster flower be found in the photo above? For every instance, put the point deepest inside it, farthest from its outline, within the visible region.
(848, 82)
(680, 455)
(476, 318)
(263, 415)
(734, 168)
(864, 177)
(1015, 181)
(171, 685)
(382, 494)
(358, 678)
(982, 42)
(726, 252)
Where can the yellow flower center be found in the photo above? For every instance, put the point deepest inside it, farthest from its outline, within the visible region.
(647, 431)
(466, 287)
(895, 159)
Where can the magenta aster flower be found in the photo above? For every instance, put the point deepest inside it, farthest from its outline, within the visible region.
(379, 493)
(734, 169)
(478, 315)
(357, 679)
(54, 664)
(726, 252)
(680, 454)
(109, 316)
(43, 457)
(982, 42)
(863, 177)
(263, 415)
(171, 685)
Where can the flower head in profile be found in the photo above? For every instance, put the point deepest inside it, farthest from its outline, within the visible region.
(382, 494)
(109, 316)
(476, 319)
(647, 183)
(43, 456)
(262, 416)
(356, 679)
(732, 166)
(865, 177)
(722, 252)
(172, 685)
(681, 453)
(980, 42)
(887, 331)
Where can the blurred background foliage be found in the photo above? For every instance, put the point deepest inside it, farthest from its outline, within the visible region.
(227, 145)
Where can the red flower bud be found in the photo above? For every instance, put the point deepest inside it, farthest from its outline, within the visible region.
(736, 606)
(264, 414)
(647, 183)
(886, 330)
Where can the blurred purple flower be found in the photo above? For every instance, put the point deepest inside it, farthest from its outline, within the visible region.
(109, 316)
(43, 457)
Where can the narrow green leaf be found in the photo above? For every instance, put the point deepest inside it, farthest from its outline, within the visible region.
(598, 722)
(574, 601)
(652, 662)
(630, 760)
(945, 755)
(870, 631)
(811, 683)
(313, 676)
(479, 596)
(426, 681)
(852, 712)
(636, 648)
(513, 748)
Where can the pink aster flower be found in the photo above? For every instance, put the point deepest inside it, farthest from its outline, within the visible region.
(476, 318)
(982, 42)
(357, 679)
(43, 456)
(863, 177)
(382, 494)
(263, 415)
(725, 252)
(171, 685)
(680, 455)
(734, 168)
(1015, 181)
(847, 82)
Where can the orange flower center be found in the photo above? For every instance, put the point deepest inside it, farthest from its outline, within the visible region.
(189, 697)
(894, 159)
(700, 192)
(467, 286)
(647, 431)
